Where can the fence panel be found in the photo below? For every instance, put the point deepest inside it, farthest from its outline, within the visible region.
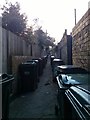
(14, 45)
(4, 51)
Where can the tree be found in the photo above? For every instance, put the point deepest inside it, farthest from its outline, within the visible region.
(43, 39)
(28, 34)
(12, 19)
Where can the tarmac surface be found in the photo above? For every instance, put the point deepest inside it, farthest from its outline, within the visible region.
(38, 104)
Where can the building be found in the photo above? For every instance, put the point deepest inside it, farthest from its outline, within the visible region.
(65, 48)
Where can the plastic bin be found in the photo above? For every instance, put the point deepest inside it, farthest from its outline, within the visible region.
(27, 74)
(61, 98)
(55, 63)
(52, 57)
(40, 65)
(73, 92)
(77, 105)
(6, 84)
(37, 67)
(44, 58)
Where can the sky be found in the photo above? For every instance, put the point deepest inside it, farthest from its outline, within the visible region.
(54, 15)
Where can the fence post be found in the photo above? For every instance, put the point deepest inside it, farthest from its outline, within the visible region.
(0, 67)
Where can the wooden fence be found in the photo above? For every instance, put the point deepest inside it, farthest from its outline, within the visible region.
(13, 45)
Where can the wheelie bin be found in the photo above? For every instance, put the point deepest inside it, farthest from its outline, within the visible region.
(40, 65)
(6, 85)
(52, 57)
(27, 77)
(37, 67)
(70, 100)
(77, 105)
(55, 63)
(44, 58)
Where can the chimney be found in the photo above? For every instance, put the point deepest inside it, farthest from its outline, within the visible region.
(65, 31)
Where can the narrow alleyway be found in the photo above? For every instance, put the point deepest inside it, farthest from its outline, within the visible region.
(40, 103)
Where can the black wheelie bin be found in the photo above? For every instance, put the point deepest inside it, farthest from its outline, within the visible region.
(37, 67)
(27, 77)
(68, 77)
(52, 57)
(55, 63)
(6, 85)
(44, 58)
(77, 104)
(40, 62)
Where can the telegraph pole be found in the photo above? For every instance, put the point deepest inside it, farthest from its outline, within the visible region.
(89, 5)
(75, 15)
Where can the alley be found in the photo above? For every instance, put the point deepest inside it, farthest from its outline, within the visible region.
(40, 103)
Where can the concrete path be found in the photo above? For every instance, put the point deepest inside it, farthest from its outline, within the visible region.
(40, 103)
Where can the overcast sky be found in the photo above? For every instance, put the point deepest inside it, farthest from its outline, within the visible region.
(54, 15)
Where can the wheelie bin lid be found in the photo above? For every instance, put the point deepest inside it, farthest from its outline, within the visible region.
(33, 60)
(4, 77)
(66, 69)
(52, 56)
(68, 81)
(57, 60)
(28, 62)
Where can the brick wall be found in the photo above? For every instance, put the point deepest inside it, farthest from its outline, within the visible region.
(81, 42)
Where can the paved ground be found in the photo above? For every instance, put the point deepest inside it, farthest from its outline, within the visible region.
(40, 103)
